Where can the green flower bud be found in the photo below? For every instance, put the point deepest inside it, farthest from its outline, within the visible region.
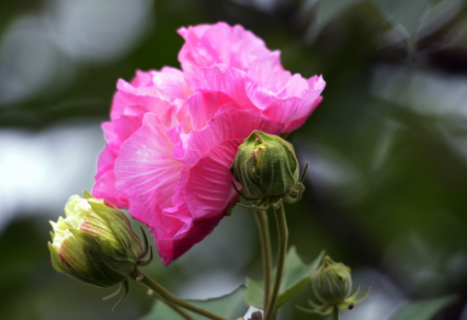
(331, 282)
(94, 243)
(265, 166)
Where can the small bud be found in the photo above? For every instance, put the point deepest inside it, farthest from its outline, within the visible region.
(266, 166)
(94, 243)
(332, 282)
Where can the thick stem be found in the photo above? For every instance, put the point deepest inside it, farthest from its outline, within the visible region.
(263, 228)
(335, 313)
(185, 315)
(282, 235)
(139, 276)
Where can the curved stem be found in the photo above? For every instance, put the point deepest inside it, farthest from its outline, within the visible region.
(282, 235)
(139, 276)
(263, 228)
(185, 315)
(335, 313)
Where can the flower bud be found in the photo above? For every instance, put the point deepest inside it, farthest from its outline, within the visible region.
(265, 166)
(331, 282)
(94, 243)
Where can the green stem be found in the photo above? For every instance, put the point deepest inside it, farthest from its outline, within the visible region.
(185, 315)
(335, 313)
(263, 228)
(282, 235)
(139, 276)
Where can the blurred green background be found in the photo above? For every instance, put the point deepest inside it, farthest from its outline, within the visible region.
(387, 147)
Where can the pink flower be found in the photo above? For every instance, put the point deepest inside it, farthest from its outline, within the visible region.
(173, 135)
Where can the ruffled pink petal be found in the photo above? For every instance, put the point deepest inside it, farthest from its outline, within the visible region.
(222, 45)
(115, 133)
(184, 234)
(291, 109)
(165, 96)
(204, 106)
(146, 171)
(209, 187)
(269, 77)
(181, 114)
(191, 60)
(193, 34)
(125, 126)
(296, 105)
(104, 188)
(111, 136)
(148, 174)
(105, 162)
(316, 82)
(162, 92)
(229, 124)
(150, 98)
(294, 87)
(229, 81)
(295, 124)
(142, 79)
(171, 84)
(121, 101)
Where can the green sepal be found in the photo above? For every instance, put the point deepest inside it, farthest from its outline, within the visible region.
(117, 221)
(107, 264)
(296, 276)
(87, 195)
(56, 262)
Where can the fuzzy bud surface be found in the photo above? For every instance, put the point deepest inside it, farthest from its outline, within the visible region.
(94, 243)
(332, 282)
(265, 166)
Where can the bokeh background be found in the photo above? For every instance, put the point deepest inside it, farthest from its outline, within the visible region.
(387, 147)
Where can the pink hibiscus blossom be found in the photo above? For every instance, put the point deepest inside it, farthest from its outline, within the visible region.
(173, 135)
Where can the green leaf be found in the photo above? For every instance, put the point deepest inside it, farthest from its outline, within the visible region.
(296, 275)
(327, 11)
(231, 306)
(330, 9)
(405, 13)
(254, 294)
(424, 309)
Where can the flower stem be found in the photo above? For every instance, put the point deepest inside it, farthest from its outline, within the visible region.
(139, 276)
(335, 313)
(185, 315)
(263, 228)
(282, 235)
